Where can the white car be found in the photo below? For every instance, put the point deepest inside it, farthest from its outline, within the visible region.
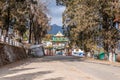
(78, 53)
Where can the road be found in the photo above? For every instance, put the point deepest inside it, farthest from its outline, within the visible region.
(59, 68)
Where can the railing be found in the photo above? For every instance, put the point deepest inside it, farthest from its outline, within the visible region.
(10, 41)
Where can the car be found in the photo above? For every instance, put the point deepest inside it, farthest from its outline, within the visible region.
(78, 52)
(36, 50)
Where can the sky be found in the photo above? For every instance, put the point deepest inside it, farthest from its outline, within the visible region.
(55, 12)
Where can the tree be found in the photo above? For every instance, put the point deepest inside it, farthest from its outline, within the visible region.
(40, 21)
(90, 23)
(21, 15)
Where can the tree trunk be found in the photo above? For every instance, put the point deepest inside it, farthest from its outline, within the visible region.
(35, 39)
(30, 31)
(8, 20)
(0, 32)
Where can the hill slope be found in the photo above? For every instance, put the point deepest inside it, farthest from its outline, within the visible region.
(54, 29)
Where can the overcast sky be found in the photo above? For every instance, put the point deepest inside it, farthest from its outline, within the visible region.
(55, 12)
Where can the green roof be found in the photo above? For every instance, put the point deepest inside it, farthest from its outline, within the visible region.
(59, 39)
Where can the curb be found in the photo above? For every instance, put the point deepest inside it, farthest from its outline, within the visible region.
(103, 62)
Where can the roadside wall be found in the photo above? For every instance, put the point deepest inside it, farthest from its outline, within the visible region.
(9, 54)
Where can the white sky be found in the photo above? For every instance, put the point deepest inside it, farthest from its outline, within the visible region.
(55, 12)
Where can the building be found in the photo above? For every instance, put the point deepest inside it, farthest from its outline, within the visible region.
(58, 44)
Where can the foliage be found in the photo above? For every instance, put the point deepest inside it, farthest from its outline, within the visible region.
(23, 15)
(47, 37)
(91, 25)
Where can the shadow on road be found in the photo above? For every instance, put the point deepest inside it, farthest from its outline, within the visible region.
(12, 72)
(58, 58)
(28, 76)
(43, 59)
(59, 78)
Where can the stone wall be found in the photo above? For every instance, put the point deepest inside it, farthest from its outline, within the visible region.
(9, 54)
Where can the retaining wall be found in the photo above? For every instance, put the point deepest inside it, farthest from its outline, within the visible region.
(9, 54)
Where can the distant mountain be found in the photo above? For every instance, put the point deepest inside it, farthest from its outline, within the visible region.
(55, 29)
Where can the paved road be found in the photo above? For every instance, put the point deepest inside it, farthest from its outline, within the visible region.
(59, 68)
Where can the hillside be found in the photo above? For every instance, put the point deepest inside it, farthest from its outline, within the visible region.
(54, 29)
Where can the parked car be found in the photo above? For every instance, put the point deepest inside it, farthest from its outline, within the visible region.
(36, 50)
(78, 52)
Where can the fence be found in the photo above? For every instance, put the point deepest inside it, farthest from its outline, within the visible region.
(9, 41)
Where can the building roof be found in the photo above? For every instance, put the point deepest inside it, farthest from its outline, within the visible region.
(59, 34)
